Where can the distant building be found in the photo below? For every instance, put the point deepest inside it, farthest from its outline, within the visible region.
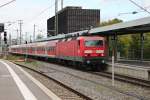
(72, 19)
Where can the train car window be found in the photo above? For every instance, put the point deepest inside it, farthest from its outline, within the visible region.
(94, 43)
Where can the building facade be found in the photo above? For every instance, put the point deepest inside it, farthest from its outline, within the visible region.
(72, 19)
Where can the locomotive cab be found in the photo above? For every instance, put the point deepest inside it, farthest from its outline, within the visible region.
(93, 50)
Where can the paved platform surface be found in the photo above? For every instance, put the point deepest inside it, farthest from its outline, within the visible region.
(133, 70)
(16, 84)
(135, 63)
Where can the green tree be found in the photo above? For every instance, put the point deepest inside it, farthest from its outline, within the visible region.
(135, 46)
(110, 22)
(39, 36)
(124, 44)
(147, 46)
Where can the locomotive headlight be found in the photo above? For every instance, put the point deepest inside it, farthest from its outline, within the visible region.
(103, 61)
(99, 51)
(88, 51)
(88, 62)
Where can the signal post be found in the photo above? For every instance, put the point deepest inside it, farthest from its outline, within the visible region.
(5, 45)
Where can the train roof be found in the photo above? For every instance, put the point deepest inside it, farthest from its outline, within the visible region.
(61, 36)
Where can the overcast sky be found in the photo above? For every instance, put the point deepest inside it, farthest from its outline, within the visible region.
(30, 11)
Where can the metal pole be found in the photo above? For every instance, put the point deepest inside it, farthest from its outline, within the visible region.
(20, 23)
(9, 39)
(30, 39)
(113, 60)
(57, 25)
(17, 36)
(26, 36)
(116, 48)
(56, 18)
(34, 34)
(113, 69)
(26, 47)
(142, 46)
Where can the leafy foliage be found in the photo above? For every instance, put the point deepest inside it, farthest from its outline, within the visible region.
(110, 22)
(39, 36)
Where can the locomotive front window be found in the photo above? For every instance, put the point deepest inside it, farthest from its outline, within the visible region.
(92, 43)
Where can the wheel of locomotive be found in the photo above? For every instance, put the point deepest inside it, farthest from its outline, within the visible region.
(86, 67)
(46, 58)
(79, 65)
(64, 62)
(74, 64)
(94, 67)
(67, 63)
(101, 67)
(104, 67)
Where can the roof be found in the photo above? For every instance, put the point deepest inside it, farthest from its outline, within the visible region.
(135, 26)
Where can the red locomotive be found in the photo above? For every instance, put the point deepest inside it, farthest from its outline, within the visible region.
(85, 50)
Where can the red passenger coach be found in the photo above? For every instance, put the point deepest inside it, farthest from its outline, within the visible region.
(51, 48)
(85, 50)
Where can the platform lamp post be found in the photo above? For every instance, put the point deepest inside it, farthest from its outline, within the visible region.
(113, 59)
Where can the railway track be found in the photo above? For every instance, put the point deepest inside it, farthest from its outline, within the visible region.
(84, 97)
(108, 75)
(128, 79)
(123, 78)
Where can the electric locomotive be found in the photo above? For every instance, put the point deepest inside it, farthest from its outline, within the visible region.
(82, 50)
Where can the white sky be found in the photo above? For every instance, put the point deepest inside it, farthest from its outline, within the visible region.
(29, 11)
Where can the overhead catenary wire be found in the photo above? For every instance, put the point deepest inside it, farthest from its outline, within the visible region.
(139, 6)
(134, 12)
(7, 3)
(43, 11)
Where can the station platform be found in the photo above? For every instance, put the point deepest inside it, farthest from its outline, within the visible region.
(130, 69)
(17, 84)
